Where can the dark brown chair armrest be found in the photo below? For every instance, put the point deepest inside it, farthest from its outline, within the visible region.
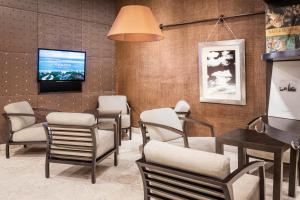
(182, 133)
(45, 110)
(231, 178)
(128, 108)
(199, 122)
(18, 115)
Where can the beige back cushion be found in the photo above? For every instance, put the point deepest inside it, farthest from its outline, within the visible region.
(20, 122)
(163, 116)
(201, 162)
(112, 103)
(68, 118)
(182, 106)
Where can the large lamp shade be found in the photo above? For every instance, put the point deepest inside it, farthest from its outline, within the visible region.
(135, 23)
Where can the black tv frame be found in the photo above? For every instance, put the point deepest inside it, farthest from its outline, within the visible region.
(38, 64)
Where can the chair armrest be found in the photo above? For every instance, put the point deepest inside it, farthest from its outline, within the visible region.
(182, 133)
(18, 114)
(199, 122)
(128, 108)
(231, 178)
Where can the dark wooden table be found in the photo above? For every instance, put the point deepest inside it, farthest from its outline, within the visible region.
(248, 139)
(116, 115)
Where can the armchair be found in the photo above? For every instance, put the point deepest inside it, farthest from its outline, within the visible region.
(23, 128)
(182, 109)
(172, 172)
(115, 103)
(74, 138)
(164, 125)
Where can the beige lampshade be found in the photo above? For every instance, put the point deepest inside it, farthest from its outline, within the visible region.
(135, 23)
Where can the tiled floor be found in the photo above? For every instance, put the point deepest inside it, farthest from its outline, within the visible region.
(22, 177)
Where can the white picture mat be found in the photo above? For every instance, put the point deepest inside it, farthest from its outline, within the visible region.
(282, 103)
(204, 54)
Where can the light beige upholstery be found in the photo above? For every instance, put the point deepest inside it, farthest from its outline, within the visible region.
(182, 106)
(108, 123)
(35, 132)
(246, 188)
(65, 118)
(268, 155)
(113, 104)
(20, 122)
(104, 138)
(200, 143)
(168, 117)
(105, 142)
(205, 163)
(164, 116)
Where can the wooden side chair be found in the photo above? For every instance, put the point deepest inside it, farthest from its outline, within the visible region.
(163, 124)
(172, 172)
(112, 104)
(74, 138)
(23, 128)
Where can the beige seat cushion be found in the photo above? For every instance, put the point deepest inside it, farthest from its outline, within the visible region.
(20, 122)
(163, 116)
(107, 122)
(268, 155)
(246, 188)
(105, 142)
(113, 103)
(35, 132)
(200, 143)
(68, 118)
(205, 163)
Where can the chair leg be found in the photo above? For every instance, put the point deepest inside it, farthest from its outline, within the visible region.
(47, 168)
(7, 150)
(93, 173)
(298, 171)
(115, 158)
(130, 133)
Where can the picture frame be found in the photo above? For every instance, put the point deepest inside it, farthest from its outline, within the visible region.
(222, 72)
(284, 90)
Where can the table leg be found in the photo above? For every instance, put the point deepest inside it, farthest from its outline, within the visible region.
(294, 156)
(120, 130)
(241, 157)
(219, 147)
(277, 179)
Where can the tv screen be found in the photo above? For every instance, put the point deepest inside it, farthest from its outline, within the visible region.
(61, 65)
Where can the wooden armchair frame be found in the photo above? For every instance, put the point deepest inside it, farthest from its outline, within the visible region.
(65, 146)
(181, 184)
(129, 112)
(11, 132)
(143, 127)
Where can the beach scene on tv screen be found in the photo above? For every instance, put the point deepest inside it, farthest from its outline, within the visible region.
(61, 65)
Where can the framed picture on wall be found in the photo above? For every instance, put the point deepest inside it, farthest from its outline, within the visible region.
(285, 90)
(222, 72)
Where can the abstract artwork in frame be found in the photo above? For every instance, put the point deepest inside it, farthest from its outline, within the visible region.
(222, 72)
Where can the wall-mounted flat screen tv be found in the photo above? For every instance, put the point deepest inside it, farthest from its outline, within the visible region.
(61, 65)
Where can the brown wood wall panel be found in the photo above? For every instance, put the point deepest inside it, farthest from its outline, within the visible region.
(30, 5)
(19, 25)
(66, 8)
(60, 24)
(159, 74)
(98, 11)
